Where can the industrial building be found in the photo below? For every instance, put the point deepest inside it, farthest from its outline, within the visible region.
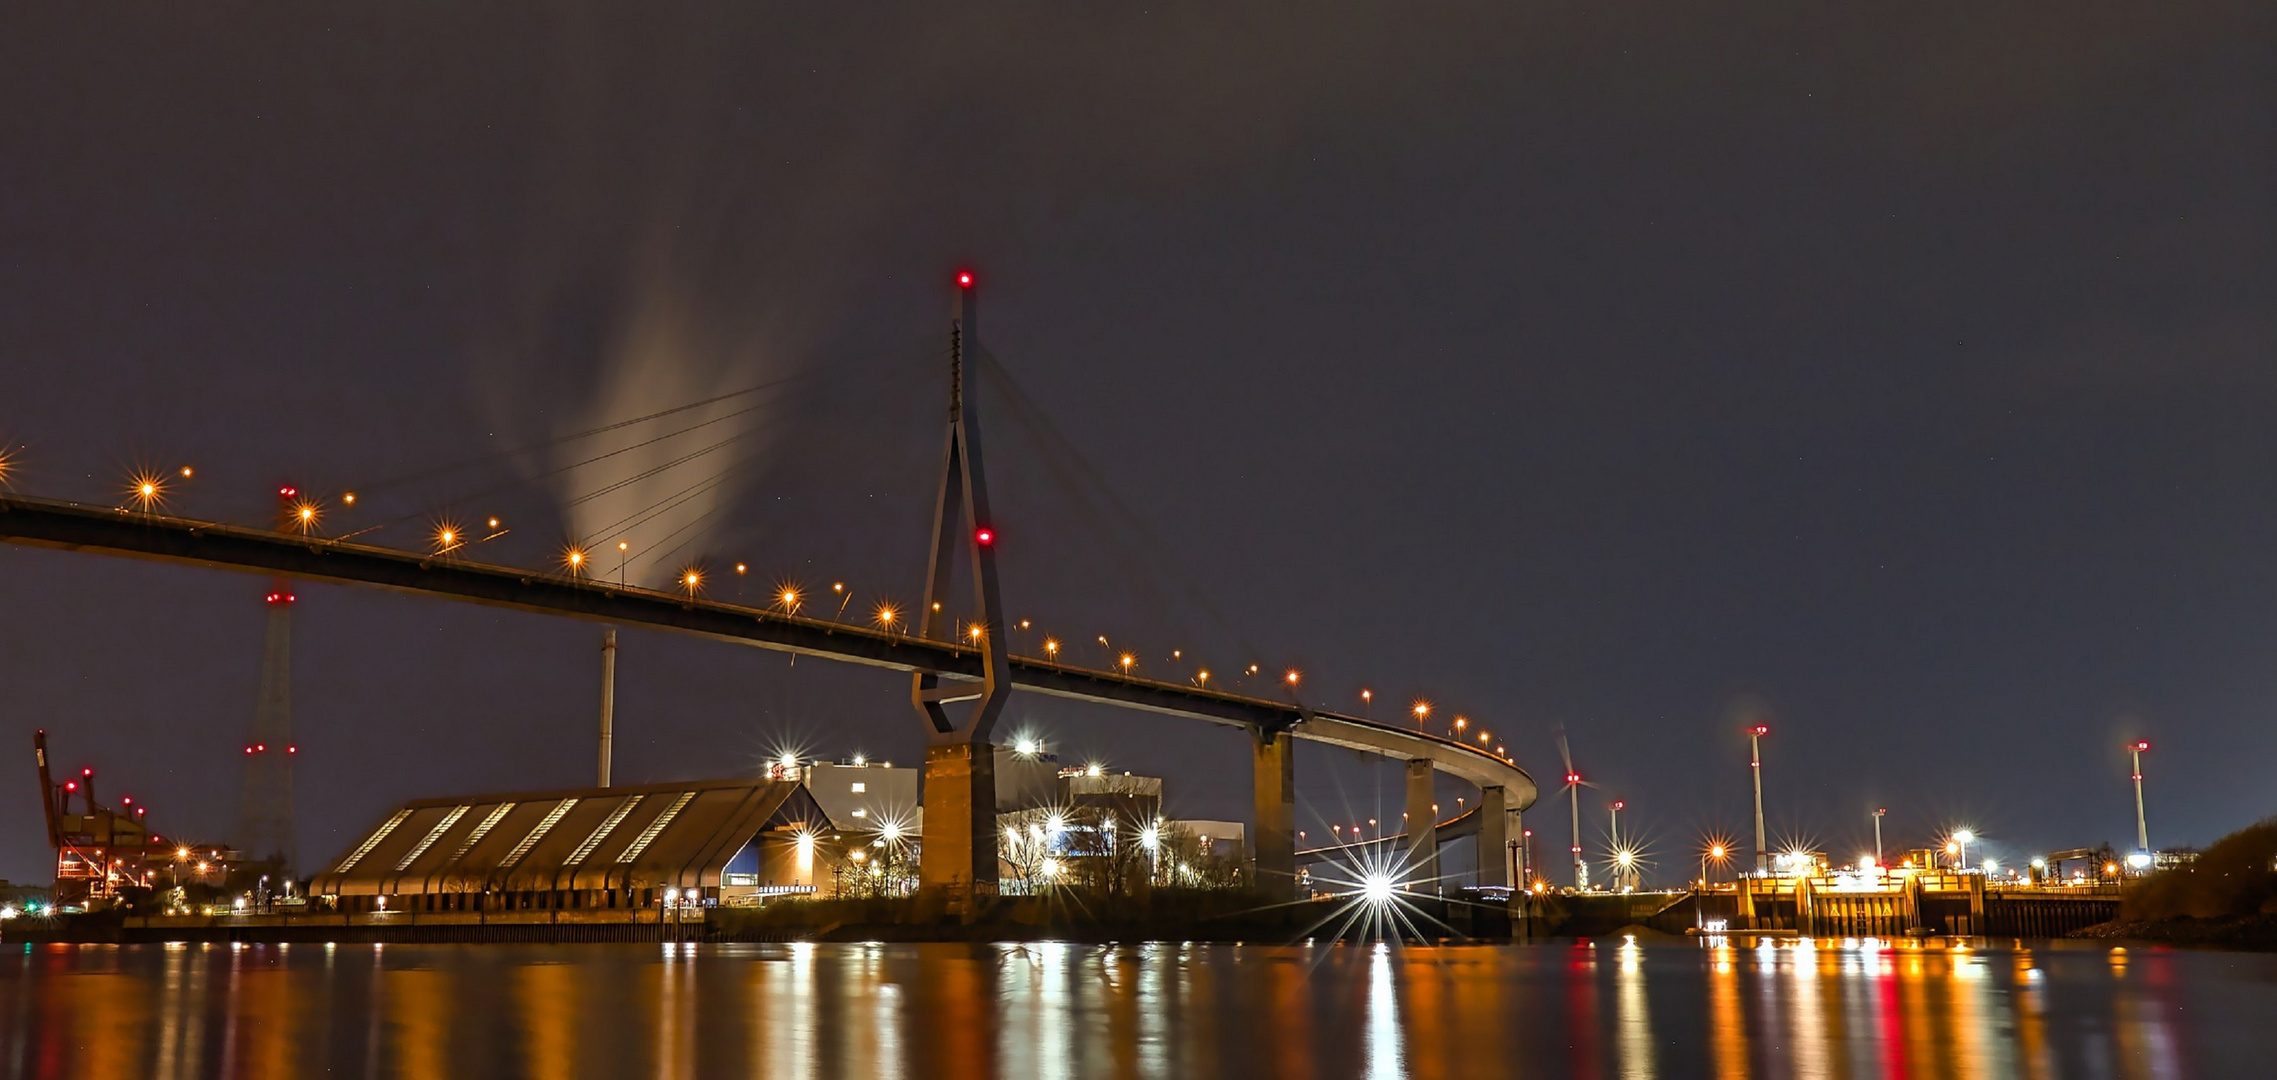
(859, 795)
(587, 849)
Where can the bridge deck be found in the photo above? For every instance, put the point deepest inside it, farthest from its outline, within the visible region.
(1454, 828)
(52, 523)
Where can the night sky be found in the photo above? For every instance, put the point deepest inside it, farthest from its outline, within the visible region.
(1904, 376)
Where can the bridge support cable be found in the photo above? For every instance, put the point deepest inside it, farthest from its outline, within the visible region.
(524, 449)
(959, 856)
(1139, 553)
(573, 466)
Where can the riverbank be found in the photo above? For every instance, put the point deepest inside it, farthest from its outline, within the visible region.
(1198, 916)
(2251, 933)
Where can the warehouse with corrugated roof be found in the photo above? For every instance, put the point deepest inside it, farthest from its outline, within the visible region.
(596, 849)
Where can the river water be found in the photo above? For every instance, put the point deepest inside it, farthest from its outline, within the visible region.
(1606, 1008)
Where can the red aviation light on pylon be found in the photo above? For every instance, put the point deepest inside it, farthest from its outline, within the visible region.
(1573, 778)
(287, 491)
(984, 536)
(964, 279)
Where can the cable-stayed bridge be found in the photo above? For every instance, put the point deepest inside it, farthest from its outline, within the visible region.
(961, 670)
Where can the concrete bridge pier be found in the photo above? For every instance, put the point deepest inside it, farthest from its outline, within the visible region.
(1494, 853)
(1422, 828)
(1273, 788)
(959, 853)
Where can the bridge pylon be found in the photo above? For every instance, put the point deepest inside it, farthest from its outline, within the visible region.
(958, 858)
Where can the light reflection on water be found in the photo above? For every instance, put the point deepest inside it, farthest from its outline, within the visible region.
(1615, 1008)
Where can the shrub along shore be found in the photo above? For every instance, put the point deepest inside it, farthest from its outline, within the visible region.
(2227, 898)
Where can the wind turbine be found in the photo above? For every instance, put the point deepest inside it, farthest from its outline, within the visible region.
(1573, 785)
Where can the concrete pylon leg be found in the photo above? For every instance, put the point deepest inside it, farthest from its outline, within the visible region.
(959, 852)
(1274, 790)
(1525, 855)
(1422, 829)
(1494, 852)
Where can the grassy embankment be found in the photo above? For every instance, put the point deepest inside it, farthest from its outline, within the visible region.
(2227, 898)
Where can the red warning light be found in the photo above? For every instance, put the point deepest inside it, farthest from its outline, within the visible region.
(127, 799)
(71, 785)
(964, 279)
(292, 749)
(87, 772)
(287, 491)
(248, 749)
(1760, 729)
(260, 746)
(984, 537)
